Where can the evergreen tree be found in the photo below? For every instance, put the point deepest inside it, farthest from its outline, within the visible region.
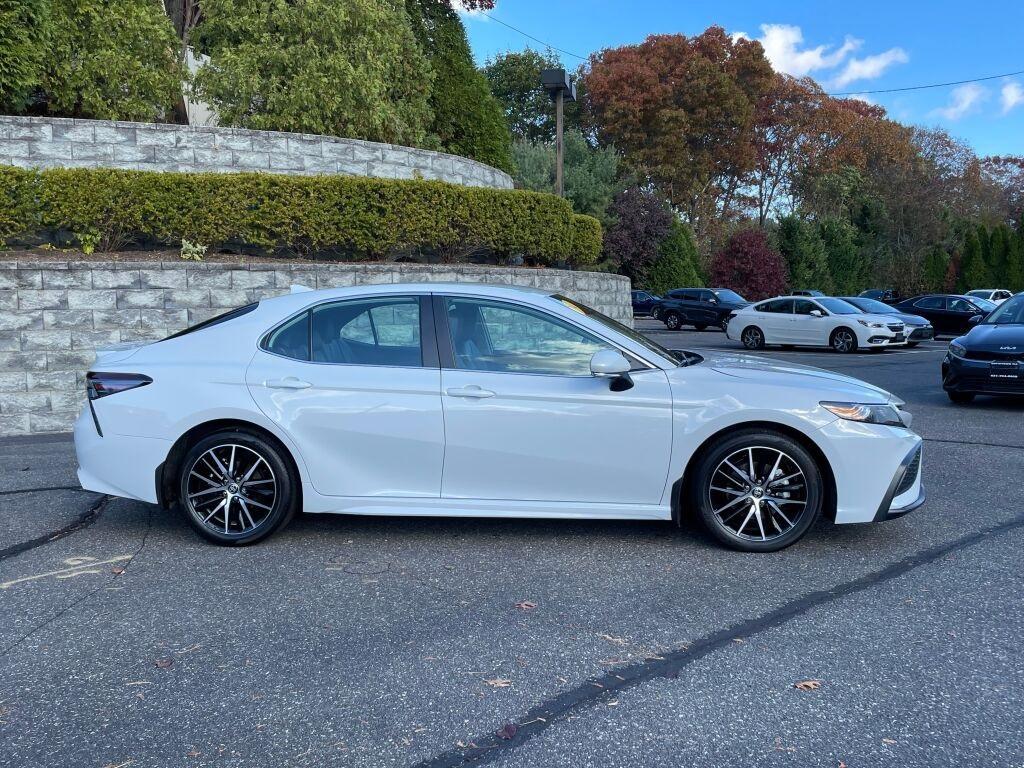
(846, 263)
(1015, 261)
(24, 33)
(999, 246)
(801, 246)
(936, 269)
(349, 68)
(468, 120)
(973, 271)
(676, 263)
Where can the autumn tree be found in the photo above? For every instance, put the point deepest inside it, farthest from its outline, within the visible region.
(640, 221)
(749, 265)
(681, 110)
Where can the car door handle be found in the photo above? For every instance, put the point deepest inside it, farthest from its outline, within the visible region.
(289, 382)
(470, 391)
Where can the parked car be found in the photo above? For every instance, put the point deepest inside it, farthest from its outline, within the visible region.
(996, 295)
(644, 302)
(806, 293)
(488, 401)
(918, 328)
(699, 307)
(813, 322)
(888, 295)
(990, 358)
(949, 314)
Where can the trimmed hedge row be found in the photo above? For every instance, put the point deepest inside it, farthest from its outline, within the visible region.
(360, 217)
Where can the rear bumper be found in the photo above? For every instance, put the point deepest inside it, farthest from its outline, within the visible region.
(117, 464)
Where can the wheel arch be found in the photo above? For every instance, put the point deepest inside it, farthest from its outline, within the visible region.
(167, 472)
(682, 486)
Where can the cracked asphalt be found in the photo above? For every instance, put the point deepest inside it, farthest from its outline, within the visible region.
(344, 641)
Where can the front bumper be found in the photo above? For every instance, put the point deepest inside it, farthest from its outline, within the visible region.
(906, 491)
(920, 333)
(982, 376)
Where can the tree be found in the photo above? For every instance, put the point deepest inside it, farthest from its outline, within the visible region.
(515, 83)
(591, 174)
(749, 266)
(936, 269)
(1000, 241)
(681, 110)
(801, 245)
(320, 66)
(846, 264)
(24, 36)
(468, 120)
(640, 221)
(973, 271)
(111, 60)
(676, 263)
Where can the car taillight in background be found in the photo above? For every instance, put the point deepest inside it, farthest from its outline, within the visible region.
(102, 384)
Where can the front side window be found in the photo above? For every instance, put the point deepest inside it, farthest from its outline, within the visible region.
(803, 307)
(961, 305)
(838, 306)
(381, 331)
(930, 302)
(495, 336)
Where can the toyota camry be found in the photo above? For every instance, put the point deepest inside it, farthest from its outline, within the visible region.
(469, 400)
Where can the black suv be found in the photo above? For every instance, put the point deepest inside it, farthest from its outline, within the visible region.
(699, 307)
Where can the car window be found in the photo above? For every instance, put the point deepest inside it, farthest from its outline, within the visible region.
(724, 294)
(931, 302)
(291, 339)
(1001, 295)
(675, 294)
(804, 307)
(1010, 312)
(381, 331)
(495, 336)
(961, 305)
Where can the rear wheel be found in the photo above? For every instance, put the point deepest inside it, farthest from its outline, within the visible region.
(757, 491)
(673, 320)
(961, 398)
(843, 340)
(752, 338)
(656, 313)
(237, 488)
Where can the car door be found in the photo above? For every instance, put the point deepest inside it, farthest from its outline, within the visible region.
(960, 313)
(808, 329)
(356, 384)
(525, 420)
(707, 308)
(933, 308)
(778, 321)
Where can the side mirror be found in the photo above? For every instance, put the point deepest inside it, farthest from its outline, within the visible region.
(816, 313)
(610, 363)
(975, 319)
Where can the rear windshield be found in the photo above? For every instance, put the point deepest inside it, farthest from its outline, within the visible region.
(215, 320)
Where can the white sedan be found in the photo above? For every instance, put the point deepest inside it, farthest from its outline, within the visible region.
(466, 400)
(996, 295)
(813, 322)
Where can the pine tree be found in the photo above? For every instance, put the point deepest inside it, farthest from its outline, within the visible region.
(998, 264)
(847, 265)
(936, 269)
(973, 270)
(801, 246)
(676, 263)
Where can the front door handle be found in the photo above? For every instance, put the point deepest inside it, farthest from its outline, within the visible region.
(289, 382)
(472, 391)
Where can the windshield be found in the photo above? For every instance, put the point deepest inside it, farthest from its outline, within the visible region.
(983, 304)
(838, 307)
(725, 294)
(871, 305)
(1010, 312)
(618, 327)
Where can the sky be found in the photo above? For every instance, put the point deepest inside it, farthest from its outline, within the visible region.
(848, 47)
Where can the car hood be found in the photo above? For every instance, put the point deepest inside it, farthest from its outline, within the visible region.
(778, 373)
(909, 319)
(994, 338)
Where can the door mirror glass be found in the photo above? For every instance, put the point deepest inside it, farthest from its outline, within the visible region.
(609, 362)
(975, 319)
(816, 313)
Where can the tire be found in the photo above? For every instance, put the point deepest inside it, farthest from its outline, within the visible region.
(701, 326)
(752, 337)
(220, 462)
(656, 313)
(673, 321)
(731, 517)
(843, 340)
(912, 344)
(961, 398)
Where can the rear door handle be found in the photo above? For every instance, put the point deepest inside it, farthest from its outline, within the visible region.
(289, 382)
(472, 391)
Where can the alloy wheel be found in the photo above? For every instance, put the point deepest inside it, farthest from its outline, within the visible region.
(231, 489)
(758, 493)
(753, 338)
(672, 321)
(843, 341)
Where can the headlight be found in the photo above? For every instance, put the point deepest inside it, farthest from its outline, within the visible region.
(869, 324)
(866, 413)
(956, 349)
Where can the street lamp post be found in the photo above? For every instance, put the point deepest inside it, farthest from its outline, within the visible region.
(559, 86)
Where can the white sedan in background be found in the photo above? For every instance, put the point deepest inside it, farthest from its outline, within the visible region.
(468, 400)
(813, 322)
(996, 295)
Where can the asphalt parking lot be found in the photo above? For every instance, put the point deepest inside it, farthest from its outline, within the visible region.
(125, 640)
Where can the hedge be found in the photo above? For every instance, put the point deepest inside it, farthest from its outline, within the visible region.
(361, 218)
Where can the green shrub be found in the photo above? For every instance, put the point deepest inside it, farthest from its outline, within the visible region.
(361, 218)
(23, 39)
(676, 263)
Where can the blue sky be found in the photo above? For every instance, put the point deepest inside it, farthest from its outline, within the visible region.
(846, 46)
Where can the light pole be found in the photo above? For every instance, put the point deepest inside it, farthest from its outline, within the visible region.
(559, 86)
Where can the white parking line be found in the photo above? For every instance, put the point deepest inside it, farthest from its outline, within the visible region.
(77, 569)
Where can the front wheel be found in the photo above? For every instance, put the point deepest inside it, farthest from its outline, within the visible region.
(757, 491)
(843, 340)
(673, 321)
(237, 488)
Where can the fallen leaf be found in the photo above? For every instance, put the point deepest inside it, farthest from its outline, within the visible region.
(526, 605)
(164, 663)
(117, 571)
(888, 741)
(499, 682)
(507, 731)
(807, 685)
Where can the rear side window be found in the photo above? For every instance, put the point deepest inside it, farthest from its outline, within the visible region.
(384, 331)
(291, 339)
(234, 313)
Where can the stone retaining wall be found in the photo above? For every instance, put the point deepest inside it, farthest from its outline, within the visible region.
(53, 314)
(43, 142)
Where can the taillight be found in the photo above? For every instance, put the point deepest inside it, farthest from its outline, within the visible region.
(102, 384)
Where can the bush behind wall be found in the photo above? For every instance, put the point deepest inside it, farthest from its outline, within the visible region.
(361, 218)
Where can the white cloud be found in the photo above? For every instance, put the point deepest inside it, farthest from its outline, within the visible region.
(783, 45)
(870, 67)
(1012, 95)
(962, 100)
